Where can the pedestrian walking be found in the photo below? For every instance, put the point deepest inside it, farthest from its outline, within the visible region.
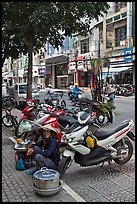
(111, 95)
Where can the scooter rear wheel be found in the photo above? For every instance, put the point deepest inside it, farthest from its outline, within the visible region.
(125, 158)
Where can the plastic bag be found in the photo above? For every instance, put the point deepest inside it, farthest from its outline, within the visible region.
(24, 126)
(20, 166)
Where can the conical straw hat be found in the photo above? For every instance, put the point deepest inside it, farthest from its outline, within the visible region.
(45, 127)
(110, 90)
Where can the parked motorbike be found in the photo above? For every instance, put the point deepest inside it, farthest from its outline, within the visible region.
(33, 111)
(55, 99)
(122, 91)
(66, 120)
(101, 110)
(8, 102)
(92, 148)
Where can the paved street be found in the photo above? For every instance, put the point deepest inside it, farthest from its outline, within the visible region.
(81, 184)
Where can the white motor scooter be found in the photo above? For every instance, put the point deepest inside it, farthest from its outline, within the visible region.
(89, 148)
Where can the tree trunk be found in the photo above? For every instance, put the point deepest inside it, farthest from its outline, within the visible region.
(29, 75)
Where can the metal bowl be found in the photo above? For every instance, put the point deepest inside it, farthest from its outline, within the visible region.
(20, 149)
(48, 192)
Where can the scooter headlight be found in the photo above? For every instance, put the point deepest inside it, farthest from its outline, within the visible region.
(101, 117)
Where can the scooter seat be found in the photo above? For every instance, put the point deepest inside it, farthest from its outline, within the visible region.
(73, 128)
(66, 119)
(104, 133)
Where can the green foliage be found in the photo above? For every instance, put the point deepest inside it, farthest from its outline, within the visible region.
(105, 107)
(27, 26)
(39, 21)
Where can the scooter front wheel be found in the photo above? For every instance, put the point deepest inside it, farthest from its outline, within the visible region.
(63, 165)
(7, 121)
(125, 151)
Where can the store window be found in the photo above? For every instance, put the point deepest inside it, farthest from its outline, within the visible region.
(84, 44)
(120, 34)
(119, 5)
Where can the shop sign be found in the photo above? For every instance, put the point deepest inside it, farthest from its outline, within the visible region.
(71, 67)
(119, 57)
(128, 58)
(7, 74)
(81, 63)
(41, 71)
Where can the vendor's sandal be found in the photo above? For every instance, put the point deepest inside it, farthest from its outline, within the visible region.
(31, 171)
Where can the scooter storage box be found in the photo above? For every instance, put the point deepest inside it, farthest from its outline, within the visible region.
(96, 155)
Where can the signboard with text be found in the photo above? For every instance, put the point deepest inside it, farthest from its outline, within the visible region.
(128, 54)
(41, 71)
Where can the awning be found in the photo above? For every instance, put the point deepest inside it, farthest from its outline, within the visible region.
(117, 69)
(62, 76)
(121, 65)
(54, 60)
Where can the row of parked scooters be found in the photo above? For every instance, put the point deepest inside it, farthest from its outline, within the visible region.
(123, 89)
(86, 143)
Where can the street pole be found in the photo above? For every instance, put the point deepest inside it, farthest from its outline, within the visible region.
(76, 64)
(109, 65)
(99, 87)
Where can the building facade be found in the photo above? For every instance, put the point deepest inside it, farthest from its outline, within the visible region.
(112, 39)
(119, 35)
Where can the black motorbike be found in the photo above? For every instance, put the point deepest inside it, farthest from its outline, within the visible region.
(101, 110)
(8, 102)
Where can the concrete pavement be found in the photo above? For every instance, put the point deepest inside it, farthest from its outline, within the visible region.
(17, 186)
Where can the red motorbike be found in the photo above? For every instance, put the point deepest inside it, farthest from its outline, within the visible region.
(32, 112)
